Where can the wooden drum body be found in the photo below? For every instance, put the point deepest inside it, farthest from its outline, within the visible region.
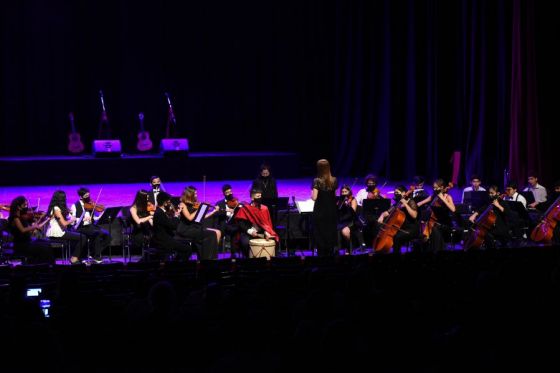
(259, 247)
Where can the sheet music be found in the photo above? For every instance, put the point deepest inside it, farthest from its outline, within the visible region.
(305, 206)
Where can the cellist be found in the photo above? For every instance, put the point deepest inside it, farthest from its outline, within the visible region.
(410, 229)
(438, 227)
(500, 230)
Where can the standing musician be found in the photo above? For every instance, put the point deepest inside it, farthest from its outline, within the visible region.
(22, 225)
(500, 230)
(206, 238)
(155, 189)
(254, 220)
(370, 191)
(58, 224)
(84, 211)
(348, 223)
(266, 182)
(165, 224)
(410, 228)
(142, 219)
(438, 227)
(228, 207)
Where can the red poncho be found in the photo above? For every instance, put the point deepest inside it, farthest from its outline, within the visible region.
(259, 217)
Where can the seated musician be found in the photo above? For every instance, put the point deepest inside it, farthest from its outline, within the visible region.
(85, 224)
(348, 223)
(207, 239)
(155, 189)
(22, 226)
(516, 221)
(421, 197)
(370, 191)
(254, 221)
(440, 221)
(410, 229)
(59, 222)
(475, 187)
(165, 224)
(500, 231)
(228, 207)
(142, 220)
(539, 192)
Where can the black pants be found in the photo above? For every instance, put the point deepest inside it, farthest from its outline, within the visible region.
(78, 242)
(205, 240)
(98, 236)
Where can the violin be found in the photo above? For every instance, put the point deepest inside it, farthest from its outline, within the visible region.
(88, 206)
(29, 215)
(345, 201)
(232, 203)
(375, 194)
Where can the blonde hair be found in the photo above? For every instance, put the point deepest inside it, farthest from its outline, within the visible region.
(188, 195)
(324, 173)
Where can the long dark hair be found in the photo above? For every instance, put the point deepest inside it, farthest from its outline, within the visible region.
(141, 201)
(16, 203)
(324, 173)
(58, 200)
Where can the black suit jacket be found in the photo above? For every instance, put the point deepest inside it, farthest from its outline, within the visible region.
(164, 229)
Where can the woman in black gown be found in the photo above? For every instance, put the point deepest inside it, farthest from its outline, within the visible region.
(324, 211)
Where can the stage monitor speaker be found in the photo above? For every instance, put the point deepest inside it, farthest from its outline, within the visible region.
(107, 148)
(174, 147)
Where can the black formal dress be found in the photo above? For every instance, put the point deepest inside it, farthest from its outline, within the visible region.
(324, 218)
(205, 240)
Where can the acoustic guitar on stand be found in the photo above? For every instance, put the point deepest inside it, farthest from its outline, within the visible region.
(144, 141)
(75, 144)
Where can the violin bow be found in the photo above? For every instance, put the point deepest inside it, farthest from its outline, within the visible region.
(96, 200)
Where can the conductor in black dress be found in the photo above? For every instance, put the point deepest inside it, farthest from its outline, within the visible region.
(325, 209)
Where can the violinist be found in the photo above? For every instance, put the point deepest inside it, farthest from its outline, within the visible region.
(228, 207)
(142, 220)
(370, 191)
(86, 212)
(165, 224)
(410, 229)
(500, 231)
(439, 225)
(60, 220)
(155, 189)
(22, 226)
(347, 218)
(207, 239)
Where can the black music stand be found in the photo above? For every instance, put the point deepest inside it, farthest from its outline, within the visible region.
(305, 208)
(374, 207)
(278, 204)
(108, 217)
(529, 196)
(476, 200)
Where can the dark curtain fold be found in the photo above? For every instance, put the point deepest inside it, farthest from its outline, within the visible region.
(392, 87)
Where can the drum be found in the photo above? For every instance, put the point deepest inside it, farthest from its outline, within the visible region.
(262, 248)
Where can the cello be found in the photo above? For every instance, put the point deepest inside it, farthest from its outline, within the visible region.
(428, 226)
(544, 231)
(394, 221)
(481, 227)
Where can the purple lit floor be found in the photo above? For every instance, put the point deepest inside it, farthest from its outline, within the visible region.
(123, 194)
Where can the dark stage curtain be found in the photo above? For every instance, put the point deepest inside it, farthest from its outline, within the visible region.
(390, 86)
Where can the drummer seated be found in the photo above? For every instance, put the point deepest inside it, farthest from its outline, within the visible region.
(254, 222)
